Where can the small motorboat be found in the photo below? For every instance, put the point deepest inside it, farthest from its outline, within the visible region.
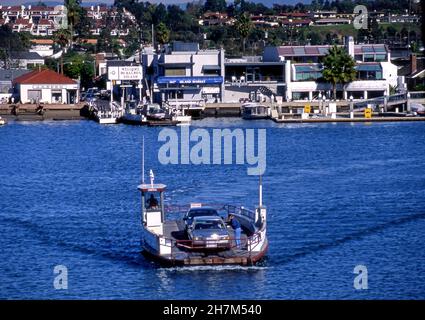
(254, 111)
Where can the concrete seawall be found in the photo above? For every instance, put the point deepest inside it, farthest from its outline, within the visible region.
(31, 112)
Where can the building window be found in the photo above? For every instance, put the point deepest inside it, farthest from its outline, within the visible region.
(368, 58)
(355, 94)
(175, 72)
(375, 94)
(380, 57)
(300, 95)
(56, 96)
(369, 72)
(308, 73)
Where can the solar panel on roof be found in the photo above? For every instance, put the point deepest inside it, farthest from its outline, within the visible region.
(286, 51)
(367, 49)
(299, 51)
(311, 50)
(379, 48)
(323, 50)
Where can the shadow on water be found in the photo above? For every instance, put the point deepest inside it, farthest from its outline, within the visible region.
(131, 257)
(351, 237)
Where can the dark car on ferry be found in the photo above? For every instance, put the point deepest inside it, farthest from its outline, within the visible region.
(198, 212)
(209, 232)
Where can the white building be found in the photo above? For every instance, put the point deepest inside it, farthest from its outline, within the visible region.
(46, 86)
(185, 75)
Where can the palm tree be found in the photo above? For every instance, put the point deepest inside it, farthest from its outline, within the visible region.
(339, 67)
(62, 37)
(244, 27)
(73, 14)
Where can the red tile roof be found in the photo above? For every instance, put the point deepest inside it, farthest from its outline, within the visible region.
(45, 76)
(42, 41)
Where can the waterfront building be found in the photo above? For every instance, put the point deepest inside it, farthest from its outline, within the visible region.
(376, 74)
(252, 79)
(46, 86)
(184, 75)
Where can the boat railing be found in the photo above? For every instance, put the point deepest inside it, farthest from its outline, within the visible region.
(250, 214)
(249, 243)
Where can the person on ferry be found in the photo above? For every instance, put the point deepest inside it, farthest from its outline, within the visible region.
(152, 202)
(236, 225)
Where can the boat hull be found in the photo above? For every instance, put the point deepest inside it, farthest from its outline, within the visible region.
(107, 120)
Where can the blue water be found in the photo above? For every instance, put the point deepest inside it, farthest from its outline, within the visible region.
(337, 196)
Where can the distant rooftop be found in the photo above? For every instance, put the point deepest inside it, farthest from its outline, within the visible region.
(291, 51)
(44, 76)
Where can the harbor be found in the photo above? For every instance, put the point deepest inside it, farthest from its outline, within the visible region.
(336, 196)
(293, 112)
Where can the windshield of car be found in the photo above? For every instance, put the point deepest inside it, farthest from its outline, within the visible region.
(209, 224)
(202, 212)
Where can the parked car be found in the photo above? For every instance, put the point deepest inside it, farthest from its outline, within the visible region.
(198, 212)
(209, 232)
(90, 94)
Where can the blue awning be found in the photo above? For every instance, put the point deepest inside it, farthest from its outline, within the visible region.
(190, 80)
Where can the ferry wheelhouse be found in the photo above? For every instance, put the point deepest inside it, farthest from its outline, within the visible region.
(168, 240)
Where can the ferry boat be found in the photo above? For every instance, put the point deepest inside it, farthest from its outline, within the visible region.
(207, 241)
(253, 111)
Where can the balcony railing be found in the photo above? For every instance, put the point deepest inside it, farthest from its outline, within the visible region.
(259, 79)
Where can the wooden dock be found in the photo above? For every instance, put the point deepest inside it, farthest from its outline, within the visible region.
(335, 120)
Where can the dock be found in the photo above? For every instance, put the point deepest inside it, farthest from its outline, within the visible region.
(33, 112)
(378, 118)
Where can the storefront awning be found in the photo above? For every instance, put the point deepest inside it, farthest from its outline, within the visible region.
(190, 80)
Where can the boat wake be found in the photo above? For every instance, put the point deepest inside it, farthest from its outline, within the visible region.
(212, 268)
(351, 237)
(130, 257)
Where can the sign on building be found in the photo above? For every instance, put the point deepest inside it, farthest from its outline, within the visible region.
(125, 73)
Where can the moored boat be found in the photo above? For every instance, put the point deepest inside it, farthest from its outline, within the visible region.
(108, 115)
(253, 111)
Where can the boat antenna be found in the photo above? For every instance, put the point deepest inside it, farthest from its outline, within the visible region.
(260, 192)
(143, 160)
